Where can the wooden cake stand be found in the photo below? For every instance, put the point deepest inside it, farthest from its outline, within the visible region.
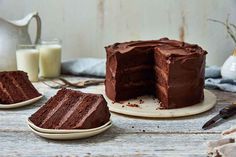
(149, 107)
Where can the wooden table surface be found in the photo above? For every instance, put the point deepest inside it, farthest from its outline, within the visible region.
(128, 136)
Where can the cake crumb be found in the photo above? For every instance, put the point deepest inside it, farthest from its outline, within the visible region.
(160, 108)
(121, 102)
(113, 102)
(132, 105)
(141, 101)
(158, 102)
(123, 106)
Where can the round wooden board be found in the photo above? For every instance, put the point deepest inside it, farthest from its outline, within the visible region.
(150, 108)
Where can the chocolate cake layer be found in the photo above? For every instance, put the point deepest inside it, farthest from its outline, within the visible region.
(176, 73)
(16, 87)
(22, 81)
(139, 73)
(70, 109)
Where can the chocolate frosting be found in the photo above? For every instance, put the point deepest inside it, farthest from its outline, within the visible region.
(175, 47)
(176, 79)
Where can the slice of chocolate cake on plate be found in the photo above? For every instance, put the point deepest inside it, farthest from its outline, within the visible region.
(15, 87)
(70, 109)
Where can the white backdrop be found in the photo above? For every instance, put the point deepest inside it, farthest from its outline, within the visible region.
(86, 26)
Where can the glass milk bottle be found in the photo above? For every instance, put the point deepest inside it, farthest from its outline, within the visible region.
(50, 58)
(27, 58)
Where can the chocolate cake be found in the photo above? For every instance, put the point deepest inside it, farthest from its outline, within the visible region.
(15, 87)
(70, 109)
(171, 70)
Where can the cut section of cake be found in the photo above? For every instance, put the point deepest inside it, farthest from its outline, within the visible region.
(170, 70)
(179, 73)
(15, 87)
(70, 109)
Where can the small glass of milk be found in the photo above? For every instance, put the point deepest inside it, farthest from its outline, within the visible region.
(27, 58)
(50, 58)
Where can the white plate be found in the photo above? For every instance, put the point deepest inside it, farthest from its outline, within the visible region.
(70, 136)
(149, 108)
(20, 104)
(64, 131)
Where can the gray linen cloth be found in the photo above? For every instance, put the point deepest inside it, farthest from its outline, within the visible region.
(84, 67)
(214, 80)
(97, 68)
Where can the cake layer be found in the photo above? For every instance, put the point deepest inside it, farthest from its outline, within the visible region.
(14, 92)
(90, 109)
(119, 61)
(54, 117)
(173, 80)
(16, 87)
(70, 109)
(120, 92)
(22, 81)
(138, 74)
(68, 115)
(41, 116)
(5, 97)
(138, 68)
(173, 98)
(125, 86)
(128, 92)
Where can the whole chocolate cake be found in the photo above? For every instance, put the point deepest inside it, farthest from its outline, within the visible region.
(15, 87)
(171, 70)
(70, 109)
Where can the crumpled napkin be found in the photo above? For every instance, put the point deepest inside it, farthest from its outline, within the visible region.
(84, 67)
(213, 80)
(224, 147)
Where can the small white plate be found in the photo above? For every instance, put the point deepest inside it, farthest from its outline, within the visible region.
(64, 131)
(70, 136)
(20, 104)
(150, 107)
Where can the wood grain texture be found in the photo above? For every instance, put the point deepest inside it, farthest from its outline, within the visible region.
(128, 136)
(106, 144)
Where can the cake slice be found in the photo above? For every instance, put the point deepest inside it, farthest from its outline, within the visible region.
(15, 87)
(70, 109)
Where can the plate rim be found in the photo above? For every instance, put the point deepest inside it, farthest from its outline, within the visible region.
(61, 136)
(65, 131)
(173, 115)
(20, 104)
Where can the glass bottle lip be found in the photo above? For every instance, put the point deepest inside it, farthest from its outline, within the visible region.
(50, 42)
(26, 46)
(54, 41)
